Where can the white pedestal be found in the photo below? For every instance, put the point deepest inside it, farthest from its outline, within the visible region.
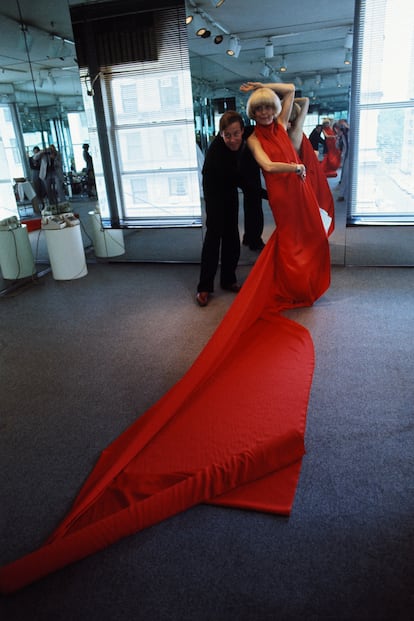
(66, 253)
(107, 242)
(16, 256)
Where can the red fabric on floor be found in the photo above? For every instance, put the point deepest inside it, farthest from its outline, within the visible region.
(231, 431)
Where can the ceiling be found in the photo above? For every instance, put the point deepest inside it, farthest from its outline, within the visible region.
(308, 36)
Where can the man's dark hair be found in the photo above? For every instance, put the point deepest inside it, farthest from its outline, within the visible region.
(229, 117)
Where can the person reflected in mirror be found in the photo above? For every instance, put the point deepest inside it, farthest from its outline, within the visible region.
(332, 158)
(317, 140)
(306, 152)
(89, 171)
(228, 166)
(341, 128)
(301, 260)
(51, 173)
(37, 182)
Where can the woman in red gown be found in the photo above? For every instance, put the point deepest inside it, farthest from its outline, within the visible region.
(332, 158)
(301, 249)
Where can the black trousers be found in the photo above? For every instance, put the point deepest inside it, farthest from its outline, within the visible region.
(253, 217)
(221, 242)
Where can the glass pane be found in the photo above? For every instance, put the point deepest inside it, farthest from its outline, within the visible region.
(8, 205)
(385, 178)
(149, 96)
(387, 51)
(154, 131)
(11, 150)
(382, 170)
(162, 195)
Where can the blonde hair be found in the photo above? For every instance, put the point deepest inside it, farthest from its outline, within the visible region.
(263, 97)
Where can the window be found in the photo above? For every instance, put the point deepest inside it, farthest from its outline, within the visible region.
(383, 114)
(146, 115)
(139, 190)
(173, 143)
(177, 186)
(129, 98)
(169, 91)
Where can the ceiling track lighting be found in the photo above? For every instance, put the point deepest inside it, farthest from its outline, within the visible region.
(204, 25)
(348, 58)
(217, 3)
(269, 49)
(218, 37)
(349, 40)
(204, 33)
(283, 66)
(199, 25)
(234, 46)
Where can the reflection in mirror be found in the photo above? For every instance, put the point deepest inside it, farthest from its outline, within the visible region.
(40, 104)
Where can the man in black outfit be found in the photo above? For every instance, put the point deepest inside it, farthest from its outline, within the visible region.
(316, 138)
(229, 165)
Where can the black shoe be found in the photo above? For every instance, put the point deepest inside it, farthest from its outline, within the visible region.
(234, 288)
(259, 246)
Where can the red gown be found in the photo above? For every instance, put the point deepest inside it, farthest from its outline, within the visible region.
(318, 180)
(332, 158)
(301, 259)
(231, 431)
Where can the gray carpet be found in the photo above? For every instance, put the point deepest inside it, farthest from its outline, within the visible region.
(80, 360)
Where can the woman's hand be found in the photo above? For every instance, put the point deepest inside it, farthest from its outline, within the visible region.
(250, 86)
(300, 170)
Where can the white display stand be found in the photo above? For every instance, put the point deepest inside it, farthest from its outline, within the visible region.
(107, 242)
(16, 256)
(66, 252)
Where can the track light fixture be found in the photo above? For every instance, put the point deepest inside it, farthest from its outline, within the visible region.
(283, 66)
(349, 40)
(348, 58)
(218, 37)
(269, 50)
(198, 24)
(234, 46)
(204, 25)
(217, 3)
